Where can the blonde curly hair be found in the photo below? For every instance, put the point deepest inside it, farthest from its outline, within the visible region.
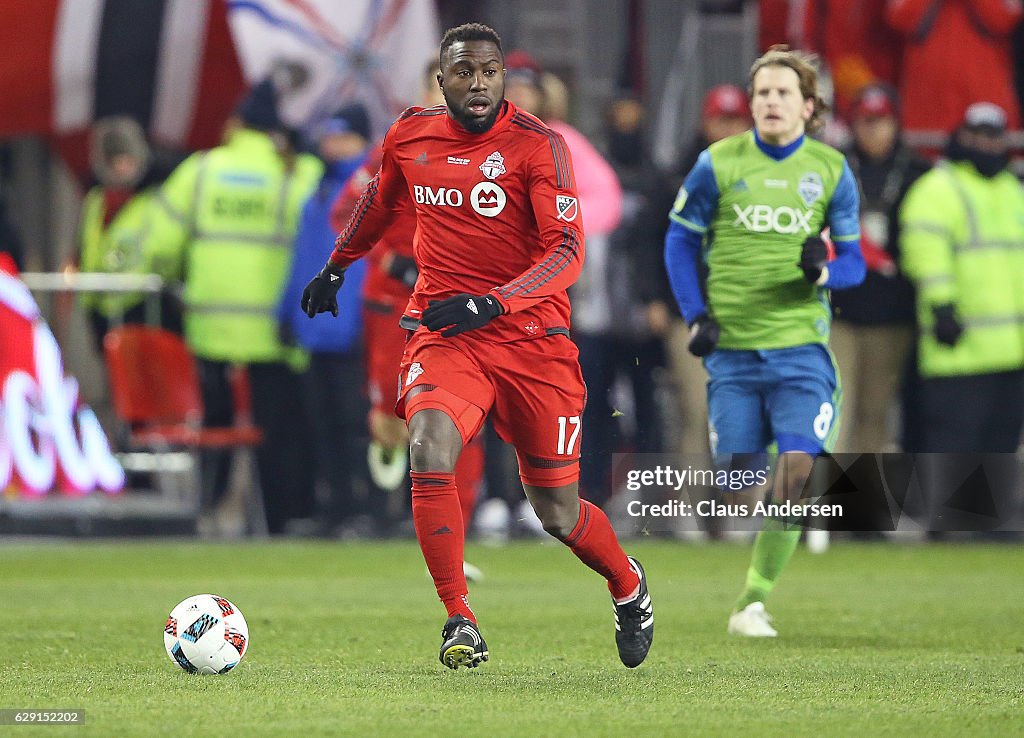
(803, 64)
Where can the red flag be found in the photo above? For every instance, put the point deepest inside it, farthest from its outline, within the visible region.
(170, 64)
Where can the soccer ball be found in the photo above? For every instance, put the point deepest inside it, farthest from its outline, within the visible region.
(206, 634)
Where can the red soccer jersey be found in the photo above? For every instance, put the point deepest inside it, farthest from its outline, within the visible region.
(379, 286)
(497, 213)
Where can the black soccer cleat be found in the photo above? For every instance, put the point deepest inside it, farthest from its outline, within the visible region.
(462, 644)
(634, 623)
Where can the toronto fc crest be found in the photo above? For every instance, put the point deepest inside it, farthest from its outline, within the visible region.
(493, 166)
(414, 371)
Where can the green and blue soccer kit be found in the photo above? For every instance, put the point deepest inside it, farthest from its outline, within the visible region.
(745, 209)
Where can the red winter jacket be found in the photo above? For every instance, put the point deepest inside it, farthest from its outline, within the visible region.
(957, 52)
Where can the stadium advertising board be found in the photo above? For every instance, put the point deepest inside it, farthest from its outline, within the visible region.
(49, 439)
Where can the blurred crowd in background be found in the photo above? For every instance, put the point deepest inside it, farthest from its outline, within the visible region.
(926, 364)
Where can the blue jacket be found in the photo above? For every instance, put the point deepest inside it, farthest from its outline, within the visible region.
(313, 243)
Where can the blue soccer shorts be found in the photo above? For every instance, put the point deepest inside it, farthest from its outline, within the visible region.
(789, 396)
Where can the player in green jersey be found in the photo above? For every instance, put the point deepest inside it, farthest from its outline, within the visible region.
(754, 208)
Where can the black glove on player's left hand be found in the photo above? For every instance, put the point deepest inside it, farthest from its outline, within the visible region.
(461, 313)
(813, 258)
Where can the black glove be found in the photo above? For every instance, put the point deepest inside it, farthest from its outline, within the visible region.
(403, 268)
(704, 332)
(813, 258)
(461, 313)
(321, 294)
(947, 328)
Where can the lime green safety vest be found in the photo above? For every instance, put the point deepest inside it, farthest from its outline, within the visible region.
(116, 248)
(963, 243)
(226, 229)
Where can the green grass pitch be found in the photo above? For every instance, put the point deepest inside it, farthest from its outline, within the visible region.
(875, 640)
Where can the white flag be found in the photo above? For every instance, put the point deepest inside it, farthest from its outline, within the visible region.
(368, 51)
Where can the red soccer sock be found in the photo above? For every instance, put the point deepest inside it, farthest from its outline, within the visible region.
(438, 520)
(469, 470)
(595, 544)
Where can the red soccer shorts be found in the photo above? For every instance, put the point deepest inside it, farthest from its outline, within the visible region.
(533, 389)
(385, 342)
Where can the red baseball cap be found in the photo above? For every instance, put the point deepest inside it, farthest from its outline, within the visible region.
(875, 101)
(725, 100)
(521, 65)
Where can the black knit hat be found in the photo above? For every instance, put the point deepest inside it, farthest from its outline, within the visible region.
(351, 118)
(258, 109)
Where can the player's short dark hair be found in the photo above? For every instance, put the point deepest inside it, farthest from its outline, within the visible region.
(803, 64)
(469, 32)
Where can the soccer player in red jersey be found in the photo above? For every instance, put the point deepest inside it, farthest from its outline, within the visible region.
(388, 285)
(498, 241)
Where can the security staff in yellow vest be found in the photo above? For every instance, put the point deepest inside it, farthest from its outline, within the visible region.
(963, 247)
(115, 221)
(226, 225)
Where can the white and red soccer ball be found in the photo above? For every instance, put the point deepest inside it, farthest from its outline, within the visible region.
(206, 634)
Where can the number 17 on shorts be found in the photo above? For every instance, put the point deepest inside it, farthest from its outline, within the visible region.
(568, 434)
